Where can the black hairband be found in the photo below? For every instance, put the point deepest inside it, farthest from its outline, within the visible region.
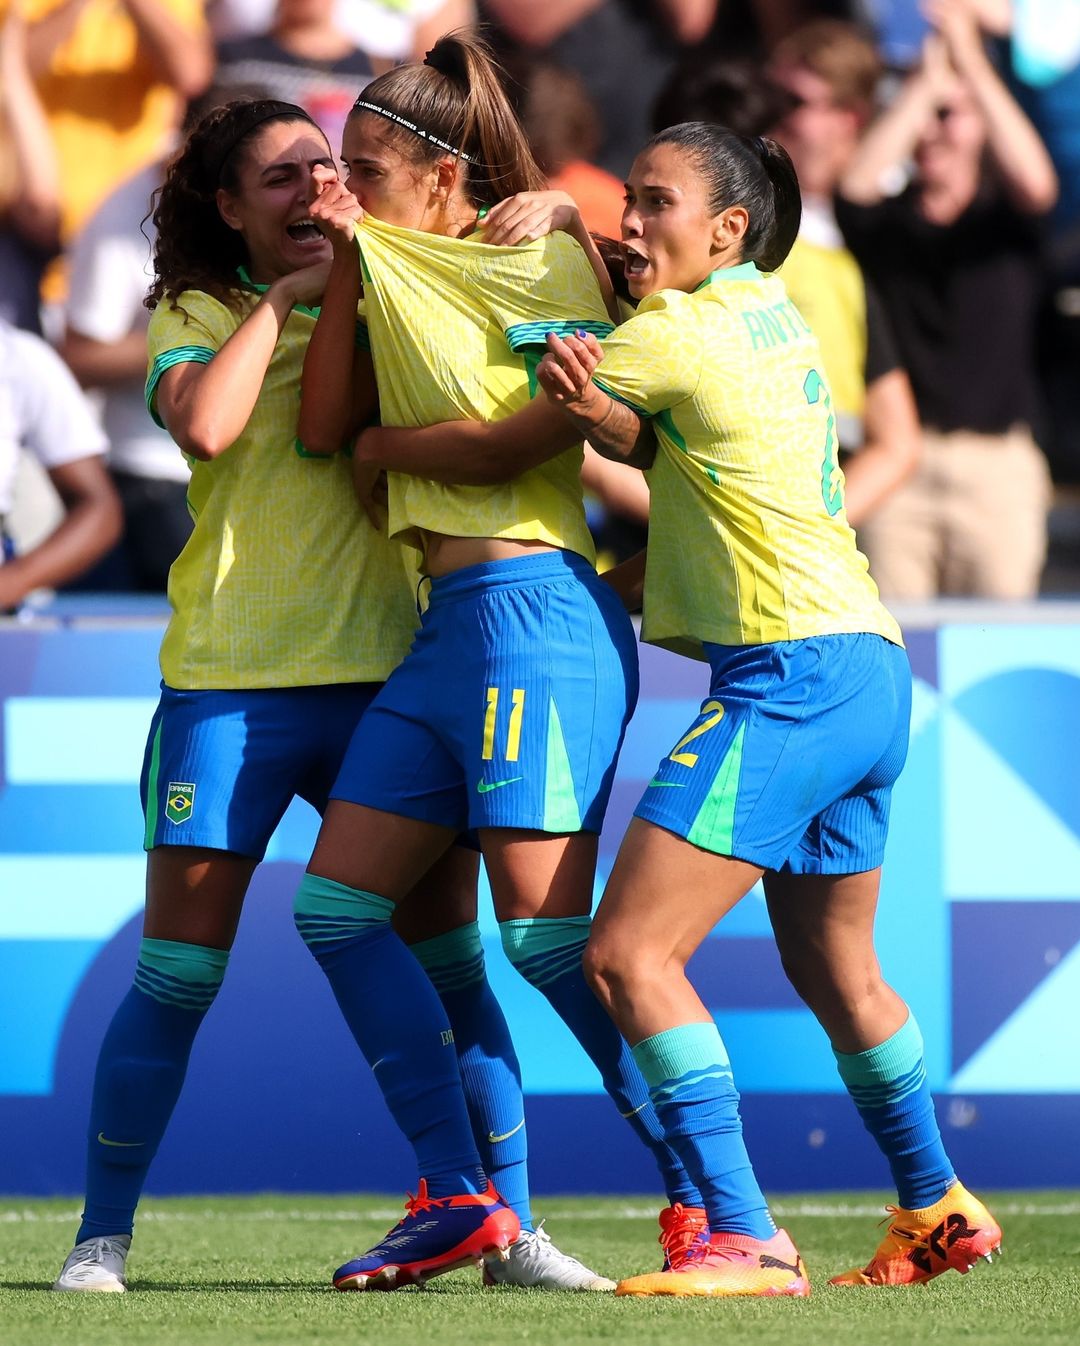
(254, 115)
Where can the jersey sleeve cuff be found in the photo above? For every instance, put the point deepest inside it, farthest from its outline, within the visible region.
(179, 355)
(527, 335)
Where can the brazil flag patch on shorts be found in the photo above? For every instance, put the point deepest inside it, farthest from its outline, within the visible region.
(180, 801)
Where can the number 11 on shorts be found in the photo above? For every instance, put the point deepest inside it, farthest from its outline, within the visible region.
(513, 733)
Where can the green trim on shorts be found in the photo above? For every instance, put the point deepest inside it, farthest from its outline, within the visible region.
(561, 812)
(151, 792)
(714, 826)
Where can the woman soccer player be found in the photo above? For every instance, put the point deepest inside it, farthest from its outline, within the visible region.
(289, 611)
(786, 772)
(508, 713)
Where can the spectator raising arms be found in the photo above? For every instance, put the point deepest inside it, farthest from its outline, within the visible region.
(953, 255)
(112, 74)
(29, 181)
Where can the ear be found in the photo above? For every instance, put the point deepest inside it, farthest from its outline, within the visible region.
(444, 178)
(226, 209)
(729, 228)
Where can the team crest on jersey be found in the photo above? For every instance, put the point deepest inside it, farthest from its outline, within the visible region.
(180, 801)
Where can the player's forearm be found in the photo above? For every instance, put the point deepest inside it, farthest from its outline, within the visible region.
(182, 56)
(326, 392)
(612, 429)
(205, 408)
(471, 453)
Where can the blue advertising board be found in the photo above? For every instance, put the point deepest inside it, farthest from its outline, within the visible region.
(979, 929)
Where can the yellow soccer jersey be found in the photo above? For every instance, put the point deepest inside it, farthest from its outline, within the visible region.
(748, 542)
(826, 286)
(283, 583)
(456, 328)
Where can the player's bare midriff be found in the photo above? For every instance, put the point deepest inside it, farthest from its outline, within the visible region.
(444, 553)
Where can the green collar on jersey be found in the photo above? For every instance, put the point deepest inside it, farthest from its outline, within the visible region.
(249, 284)
(744, 271)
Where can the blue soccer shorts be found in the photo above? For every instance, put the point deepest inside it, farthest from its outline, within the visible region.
(221, 767)
(791, 761)
(510, 708)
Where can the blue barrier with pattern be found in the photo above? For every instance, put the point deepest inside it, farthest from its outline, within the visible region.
(979, 929)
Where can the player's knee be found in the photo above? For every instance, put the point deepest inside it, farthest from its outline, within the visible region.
(612, 965)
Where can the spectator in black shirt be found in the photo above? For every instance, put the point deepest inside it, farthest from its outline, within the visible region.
(954, 256)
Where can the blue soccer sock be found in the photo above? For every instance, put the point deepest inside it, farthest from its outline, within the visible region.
(398, 1021)
(139, 1075)
(547, 952)
(691, 1086)
(490, 1072)
(889, 1088)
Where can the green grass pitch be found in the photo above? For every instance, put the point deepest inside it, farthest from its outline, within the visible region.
(236, 1271)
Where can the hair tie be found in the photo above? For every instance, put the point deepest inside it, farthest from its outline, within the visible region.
(762, 147)
(427, 59)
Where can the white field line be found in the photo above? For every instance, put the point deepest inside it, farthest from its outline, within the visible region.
(802, 1210)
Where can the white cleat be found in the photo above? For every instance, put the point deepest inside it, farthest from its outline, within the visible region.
(96, 1264)
(534, 1261)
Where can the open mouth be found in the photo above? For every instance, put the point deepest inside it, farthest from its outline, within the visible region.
(304, 231)
(634, 264)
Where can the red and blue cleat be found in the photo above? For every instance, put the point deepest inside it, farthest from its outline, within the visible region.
(438, 1234)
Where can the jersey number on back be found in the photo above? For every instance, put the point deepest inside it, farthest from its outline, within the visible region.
(832, 490)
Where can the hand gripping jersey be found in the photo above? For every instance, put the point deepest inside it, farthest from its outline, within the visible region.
(283, 583)
(748, 542)
(456, 328)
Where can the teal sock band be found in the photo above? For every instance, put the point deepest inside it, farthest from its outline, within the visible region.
(682, 1056)
(452, 960)
(888, 1072)
(543, 950)
(327, 912)
(185, 975)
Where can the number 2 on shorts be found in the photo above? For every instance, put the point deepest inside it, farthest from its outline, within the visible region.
(513, 732)
(714, 713)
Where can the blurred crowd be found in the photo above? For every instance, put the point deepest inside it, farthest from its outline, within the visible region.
(938, 149)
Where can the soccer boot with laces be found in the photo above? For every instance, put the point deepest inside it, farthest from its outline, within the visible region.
(535, 1261)
(681, 1227)
(437, 1234)
(96, 1264)
(729, 1264)
(921, 1244)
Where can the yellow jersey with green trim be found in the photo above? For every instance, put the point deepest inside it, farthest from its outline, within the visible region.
(748, 542)
(827, 288)
(283, 582)
(456, 328)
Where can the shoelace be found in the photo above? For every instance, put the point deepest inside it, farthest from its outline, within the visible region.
(97, 1252)
(699, 1251)
(679, 1237)
(539, 1244)
(421, 1202)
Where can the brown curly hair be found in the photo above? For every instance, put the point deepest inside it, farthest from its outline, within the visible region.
(195, 249)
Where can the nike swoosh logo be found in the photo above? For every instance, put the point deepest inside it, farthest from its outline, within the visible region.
(484, 786)
(494, 1139)
(634, 1111)
(120, 1144)
(666, 785)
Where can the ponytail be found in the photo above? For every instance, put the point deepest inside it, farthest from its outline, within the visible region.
(750, 171)
(454, 102)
